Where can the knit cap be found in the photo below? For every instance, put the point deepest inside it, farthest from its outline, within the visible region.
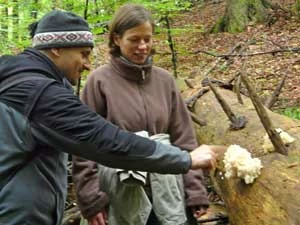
(59, 29)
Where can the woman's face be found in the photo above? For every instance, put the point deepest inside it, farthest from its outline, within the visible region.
(136, 43)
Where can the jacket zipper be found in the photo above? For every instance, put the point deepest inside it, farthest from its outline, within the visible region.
(143, 74)
(142, 96)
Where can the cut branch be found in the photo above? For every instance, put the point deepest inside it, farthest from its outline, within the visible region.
(197, 120)
(236, 122)
(205, 82)
(237, 89)
(263, 115)
(274, 97)
(191, 100)
(236, 47)
(188, 83)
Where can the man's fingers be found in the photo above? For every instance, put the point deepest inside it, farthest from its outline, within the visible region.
(203, 157)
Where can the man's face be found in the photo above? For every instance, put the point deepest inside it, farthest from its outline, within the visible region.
(73, 61)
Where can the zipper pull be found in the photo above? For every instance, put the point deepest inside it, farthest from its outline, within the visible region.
(143, 74)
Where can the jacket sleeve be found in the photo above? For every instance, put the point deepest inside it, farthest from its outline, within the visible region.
(90, 198)
(61, 121)
(182, 135)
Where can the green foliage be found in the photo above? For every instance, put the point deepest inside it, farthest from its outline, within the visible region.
(16, 15)
(161, 8)
(292, 112)
(297, 8)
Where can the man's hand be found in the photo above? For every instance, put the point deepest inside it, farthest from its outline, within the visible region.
(99, 219)
(203, 157)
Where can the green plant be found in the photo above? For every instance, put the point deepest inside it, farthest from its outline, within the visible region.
(292, 112)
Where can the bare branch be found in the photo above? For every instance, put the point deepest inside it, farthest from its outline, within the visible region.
(263, 115)
(191, 100)
(236, 47)
(274, 51)
(196, 119)
(274, 97)
(236, 122)
(237, 89)
(188, 83)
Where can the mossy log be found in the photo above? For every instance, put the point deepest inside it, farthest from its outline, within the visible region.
(274, 197)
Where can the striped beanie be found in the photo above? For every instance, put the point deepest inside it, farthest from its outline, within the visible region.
(59, 29)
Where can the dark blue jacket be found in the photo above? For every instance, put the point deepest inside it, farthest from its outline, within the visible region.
(40, 121)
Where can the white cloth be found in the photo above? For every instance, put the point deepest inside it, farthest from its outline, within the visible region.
(131, 177)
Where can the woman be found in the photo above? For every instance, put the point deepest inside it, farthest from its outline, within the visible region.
(137, 96)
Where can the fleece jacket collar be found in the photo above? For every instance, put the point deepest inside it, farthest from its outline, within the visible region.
(131, 71)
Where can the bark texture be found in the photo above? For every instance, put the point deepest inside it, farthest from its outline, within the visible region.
(239, 13)
(274, 197)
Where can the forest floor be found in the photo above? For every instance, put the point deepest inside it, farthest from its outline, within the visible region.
(266, 70)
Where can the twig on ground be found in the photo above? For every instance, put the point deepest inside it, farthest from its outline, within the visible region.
(274, 51)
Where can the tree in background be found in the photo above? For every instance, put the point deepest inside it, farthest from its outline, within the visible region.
(16, 15)
(240, 13)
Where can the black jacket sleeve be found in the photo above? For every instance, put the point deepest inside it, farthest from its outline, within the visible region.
(61, 121)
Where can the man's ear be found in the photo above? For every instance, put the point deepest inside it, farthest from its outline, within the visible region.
(55, 51)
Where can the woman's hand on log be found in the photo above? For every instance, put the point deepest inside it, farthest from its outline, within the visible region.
(203, 157)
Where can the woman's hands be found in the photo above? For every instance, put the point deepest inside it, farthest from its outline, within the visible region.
(99, 219)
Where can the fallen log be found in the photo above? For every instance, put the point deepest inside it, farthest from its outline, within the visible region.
(274, 197)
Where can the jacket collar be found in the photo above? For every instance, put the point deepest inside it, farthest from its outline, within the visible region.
(29, 61)
(131, 71)
(40, 61)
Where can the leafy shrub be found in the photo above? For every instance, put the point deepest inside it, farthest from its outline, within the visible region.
(293, 112)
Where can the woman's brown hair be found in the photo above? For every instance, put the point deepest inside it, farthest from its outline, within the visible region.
(127, 17)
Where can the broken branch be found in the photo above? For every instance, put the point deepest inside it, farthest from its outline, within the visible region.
(236, 122)
(274, 97)
(263, 115)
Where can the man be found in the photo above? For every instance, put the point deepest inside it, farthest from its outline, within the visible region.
(42, 120)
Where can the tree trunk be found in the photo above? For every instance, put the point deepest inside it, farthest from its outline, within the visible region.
(239, 14)
(274, 197)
